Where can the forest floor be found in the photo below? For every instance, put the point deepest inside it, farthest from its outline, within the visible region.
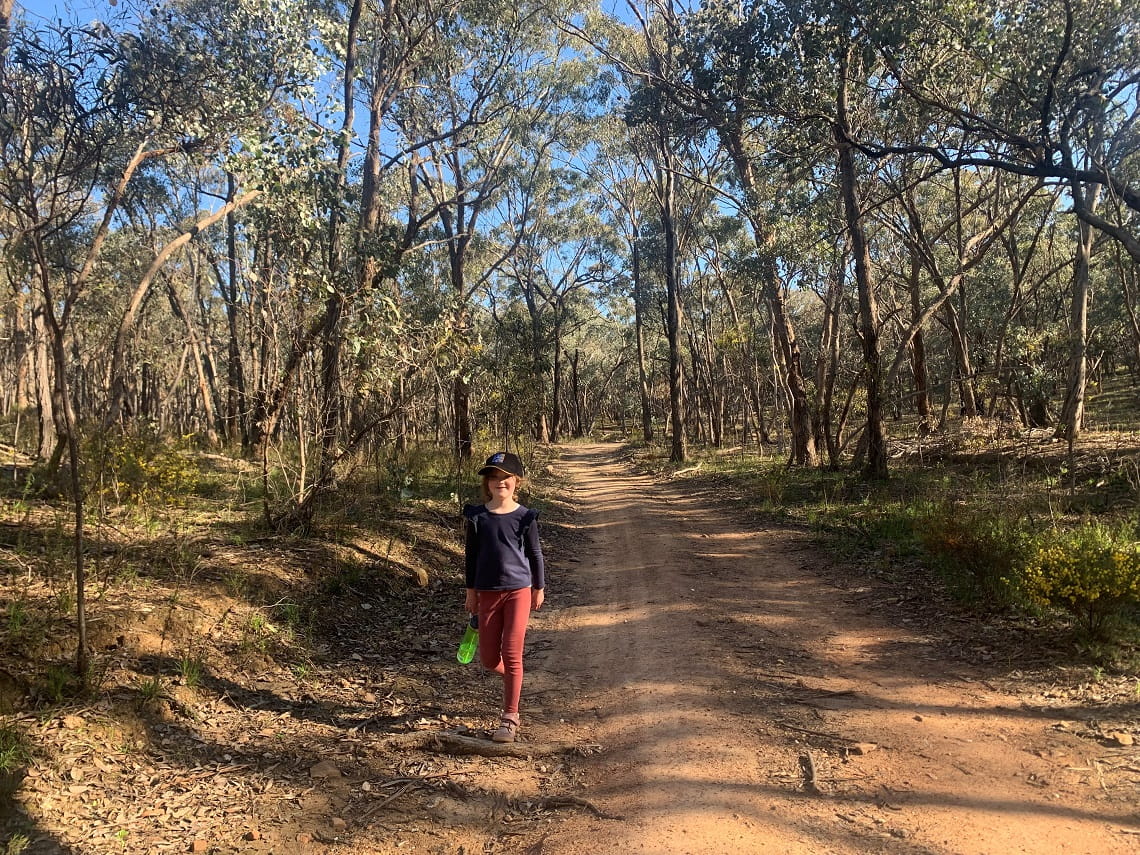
(697, 682)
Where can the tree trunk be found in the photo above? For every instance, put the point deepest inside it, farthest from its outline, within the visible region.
(828, 366)
(918, 351)
(667, 187)
(236, 419)
(67, 430)
(49, 436)
(965, 367)
(1072, 413)
(460, 390)
(22, 354)
(639, 333)
(804, 451)
(204, 386)
(575, 390)
(541, 425)
(868, 305)
(556, 385)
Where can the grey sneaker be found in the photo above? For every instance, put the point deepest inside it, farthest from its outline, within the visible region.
(508, 728)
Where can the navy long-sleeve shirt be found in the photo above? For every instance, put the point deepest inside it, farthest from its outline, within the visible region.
(502, 551)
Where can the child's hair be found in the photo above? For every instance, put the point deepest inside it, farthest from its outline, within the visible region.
(486, 491)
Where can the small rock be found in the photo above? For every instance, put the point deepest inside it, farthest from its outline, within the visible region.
(367, 787)
(862, 748)
(918, 718)
(1122, 738)
(252, 834)
(338, 824)
(73, 722)
(324, 769)
(369, 698)
(199, 845)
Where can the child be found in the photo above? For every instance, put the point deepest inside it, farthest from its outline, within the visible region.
(505, 578)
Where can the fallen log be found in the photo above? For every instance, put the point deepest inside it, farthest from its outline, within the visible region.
(452, 742)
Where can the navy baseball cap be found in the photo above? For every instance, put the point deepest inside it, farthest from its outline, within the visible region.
(503, 461)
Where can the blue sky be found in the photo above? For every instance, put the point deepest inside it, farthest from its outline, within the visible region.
(88, 9)
(65, 9)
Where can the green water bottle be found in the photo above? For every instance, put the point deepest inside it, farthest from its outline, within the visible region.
(470, 641)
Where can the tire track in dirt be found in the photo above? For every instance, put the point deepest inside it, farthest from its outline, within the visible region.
(720, 673)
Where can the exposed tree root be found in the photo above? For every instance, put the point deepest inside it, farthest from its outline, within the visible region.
(450, 742)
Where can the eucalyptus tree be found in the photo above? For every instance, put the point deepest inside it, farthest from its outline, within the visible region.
(482, 103)
(562, 250)
(58, 135)
(640, 54)
(703, 41)
(949, 226)
(1049, 90)
(615, 171)
(200, 75)
(84, 109)
(783, 73)
(379, 50)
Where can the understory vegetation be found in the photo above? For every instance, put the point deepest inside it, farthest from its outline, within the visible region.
(1023, 530)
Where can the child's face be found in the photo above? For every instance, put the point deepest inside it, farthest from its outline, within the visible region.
(501, 484)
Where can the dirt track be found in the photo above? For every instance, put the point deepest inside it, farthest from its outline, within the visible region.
(724, 675)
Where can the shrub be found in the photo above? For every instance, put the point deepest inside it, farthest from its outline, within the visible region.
(140, 469)
(1092, 572)
(981, 552)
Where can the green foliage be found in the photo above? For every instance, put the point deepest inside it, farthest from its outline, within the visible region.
(26, 626)
(259, 634)
(140, 470)
(343, 581)
(1092, 572)
(422, 472)
(65, 600)
(13, 751)
(16, 844)
(150, 689)
(771, 484)
(289, 612)
(17, 619)
(980, 550)
(190, 669)
(59, 682)
(871, 526)
(237, 583)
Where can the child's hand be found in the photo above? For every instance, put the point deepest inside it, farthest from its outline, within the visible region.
(471, 602)
(537, 597)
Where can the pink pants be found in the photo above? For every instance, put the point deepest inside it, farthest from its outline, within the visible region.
(503, 617)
